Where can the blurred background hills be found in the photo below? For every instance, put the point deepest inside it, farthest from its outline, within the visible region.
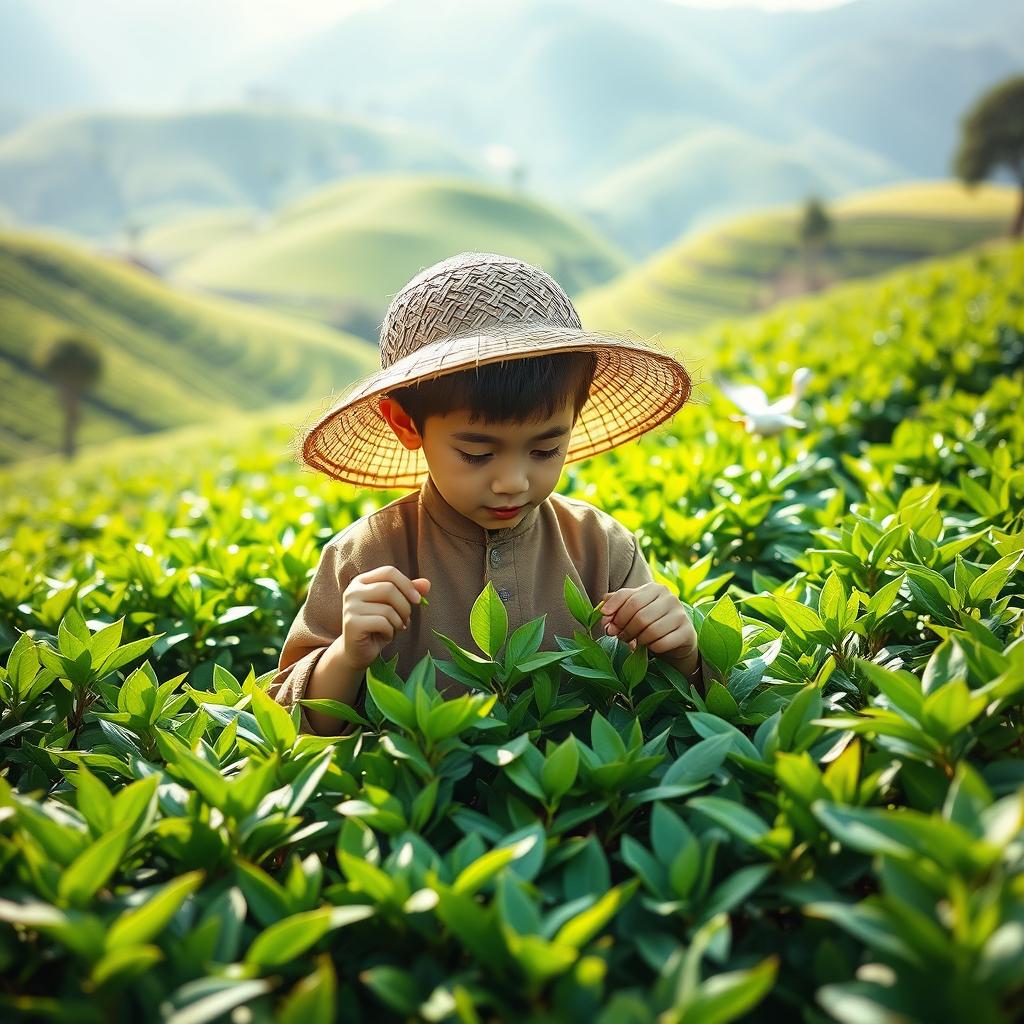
(615, 110)
(217, 163)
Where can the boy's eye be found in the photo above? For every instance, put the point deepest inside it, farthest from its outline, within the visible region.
(549, 453)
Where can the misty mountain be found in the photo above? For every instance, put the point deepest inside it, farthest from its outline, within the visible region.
(649, 116)
(582, 90)
(100, 174)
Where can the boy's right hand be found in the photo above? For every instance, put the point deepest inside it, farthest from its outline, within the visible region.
(377, 606)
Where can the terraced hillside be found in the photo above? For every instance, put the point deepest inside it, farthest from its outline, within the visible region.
(752, 262)
(355, 243)
(169, 358)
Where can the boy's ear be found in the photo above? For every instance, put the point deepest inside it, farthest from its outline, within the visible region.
(400, 422)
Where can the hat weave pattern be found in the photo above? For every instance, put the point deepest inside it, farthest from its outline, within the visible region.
(470, 310)
(468, 293)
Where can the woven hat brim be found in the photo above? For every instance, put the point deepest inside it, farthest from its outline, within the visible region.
(636, 387)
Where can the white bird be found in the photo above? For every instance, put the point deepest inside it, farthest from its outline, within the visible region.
(759, 416)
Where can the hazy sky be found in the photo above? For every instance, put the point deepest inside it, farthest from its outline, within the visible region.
(768, 5)
(235, 26)
(137, 51)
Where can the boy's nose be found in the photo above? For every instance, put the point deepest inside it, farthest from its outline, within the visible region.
(512, 485)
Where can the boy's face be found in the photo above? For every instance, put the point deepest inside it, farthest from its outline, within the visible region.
(518, 466)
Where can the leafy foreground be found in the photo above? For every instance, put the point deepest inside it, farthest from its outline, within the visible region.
(834, 831)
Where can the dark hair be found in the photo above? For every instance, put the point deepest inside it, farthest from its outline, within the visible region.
(516, 390)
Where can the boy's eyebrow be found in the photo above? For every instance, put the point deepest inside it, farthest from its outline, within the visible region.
(487, 439)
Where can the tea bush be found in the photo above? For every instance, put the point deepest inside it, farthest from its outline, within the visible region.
(833, 831)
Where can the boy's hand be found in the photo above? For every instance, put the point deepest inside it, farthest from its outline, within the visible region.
(653, 616)
(378, 605)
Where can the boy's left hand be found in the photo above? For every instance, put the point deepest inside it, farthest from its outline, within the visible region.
(653, 616)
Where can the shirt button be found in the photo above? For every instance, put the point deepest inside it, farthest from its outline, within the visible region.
(495, 556)
(504, 594)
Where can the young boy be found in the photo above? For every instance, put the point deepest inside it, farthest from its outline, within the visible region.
(488, 386)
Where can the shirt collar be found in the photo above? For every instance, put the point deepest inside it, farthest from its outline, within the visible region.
(453, 521)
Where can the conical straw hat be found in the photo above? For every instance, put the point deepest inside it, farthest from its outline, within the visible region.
(469, 310)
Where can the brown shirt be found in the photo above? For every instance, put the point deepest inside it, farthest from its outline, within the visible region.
(422, 535)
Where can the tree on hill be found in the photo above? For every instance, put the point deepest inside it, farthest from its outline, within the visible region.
(992, 136)
(73, 363)
(518, 176)
(814, 231)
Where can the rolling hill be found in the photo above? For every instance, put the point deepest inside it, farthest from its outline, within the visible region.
(101, 175)
(165, 245)
(169, 358)
(659, 198)
(340, 254)
(754, 261)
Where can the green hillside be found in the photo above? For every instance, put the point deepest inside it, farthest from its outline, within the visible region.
(765, 346)
(95, 175)
(354, 244)
(169, 358)
(173, 241)
(752, 262)
(661, 197)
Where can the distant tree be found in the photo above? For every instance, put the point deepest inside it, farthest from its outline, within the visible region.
(73, 363)
(992, 136)
(814, 231)
(518, 175)
(132, 234)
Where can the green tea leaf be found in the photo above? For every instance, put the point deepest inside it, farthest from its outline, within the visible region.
(803, 622)
(719, 701)
(142, 923)
(796, 732)
(701, 761)
(902, 688)
(312, 1000)
(274, 721)
(93, 867)
(720, 638)
(287, 940)
(951, 709)
(727, 997)
(585, 926)
(525, 641)
(988, 585)
(634, 668)
(394, 704)
(732, 816)
(559, 771)
(579, 606)
(488, 621)
(483, 869)
(393, 987)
